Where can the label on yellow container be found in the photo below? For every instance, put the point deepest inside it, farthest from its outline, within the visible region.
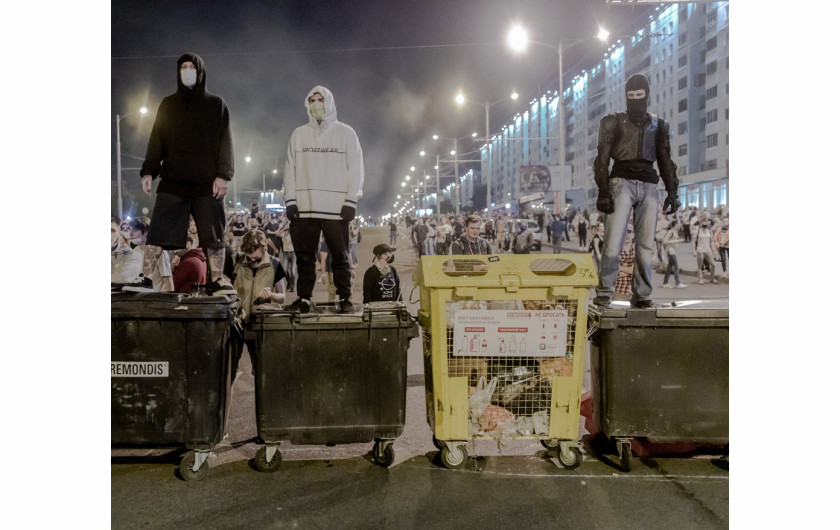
(510, 333)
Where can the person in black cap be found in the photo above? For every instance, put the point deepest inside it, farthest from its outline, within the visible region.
(382, 283)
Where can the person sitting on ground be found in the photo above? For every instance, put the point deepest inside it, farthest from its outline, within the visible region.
(381, 282)
(126, 264)
(469, 242)
(191, 269)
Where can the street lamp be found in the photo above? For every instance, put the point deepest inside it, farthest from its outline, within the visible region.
(460, 99)
(518, 41)
(142, 110)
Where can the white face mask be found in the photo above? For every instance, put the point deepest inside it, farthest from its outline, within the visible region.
(137, 241)
(188, 76)
(316, 109)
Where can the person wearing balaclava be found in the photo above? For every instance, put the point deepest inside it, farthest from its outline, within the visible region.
(634, 140)
(191, 150)
(323, 182)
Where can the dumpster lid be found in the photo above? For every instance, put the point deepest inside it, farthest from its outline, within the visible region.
(697, 308)
(172, 305)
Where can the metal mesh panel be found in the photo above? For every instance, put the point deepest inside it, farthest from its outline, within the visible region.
(520, 375)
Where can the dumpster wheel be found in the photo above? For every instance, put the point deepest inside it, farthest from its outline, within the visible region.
(454, 458)
(569, 455)
(552, 443)
(383, 452)
(188, 467)
(625, 453)
(262, 462)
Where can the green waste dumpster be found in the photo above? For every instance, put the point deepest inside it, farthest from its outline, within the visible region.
(170, 372)
(661, 373)
(326, 378)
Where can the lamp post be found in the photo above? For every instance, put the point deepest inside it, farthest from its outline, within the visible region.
(454, 160)
(142, 110)
(518, 40)
(460, 99)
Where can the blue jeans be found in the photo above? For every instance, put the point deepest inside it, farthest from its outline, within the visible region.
(724, 256)
(673, 267)
(642, 200)
(393, 239)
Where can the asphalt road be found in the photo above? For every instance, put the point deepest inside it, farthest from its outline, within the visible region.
(340, 486)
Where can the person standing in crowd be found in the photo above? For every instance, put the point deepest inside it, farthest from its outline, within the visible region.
(272, 231)
(392, 230)
(381, 282)
(126, 264)
(191, 150)
(237, 228)
(191, 269)
(289, 260)
(457, 227)
(443, 238)
(626, 262)
(523, 240)
(418, 236)
(685, 219)
(722, 242)
(634, 140)
(558, 226)
(669, 242)
(582, 225)
(258, 278)
(470, 242)
(430, 236)
(355, 237)
(160, 276)
(703, 251)
(596, 246)
(323, 181)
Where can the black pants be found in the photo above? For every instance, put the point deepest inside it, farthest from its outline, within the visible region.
(306, 234)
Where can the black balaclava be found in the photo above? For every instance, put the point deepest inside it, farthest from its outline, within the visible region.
(200, 78)
(637, 108)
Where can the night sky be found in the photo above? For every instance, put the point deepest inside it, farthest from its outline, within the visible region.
(393, 66)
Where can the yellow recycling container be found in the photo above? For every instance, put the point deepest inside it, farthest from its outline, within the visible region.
(503, 349)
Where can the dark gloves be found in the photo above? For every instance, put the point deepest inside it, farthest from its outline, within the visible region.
(605, 201)
(292, 212)
(673, 201)
(348, 213)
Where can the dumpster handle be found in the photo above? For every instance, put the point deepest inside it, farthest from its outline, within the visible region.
(410, 301)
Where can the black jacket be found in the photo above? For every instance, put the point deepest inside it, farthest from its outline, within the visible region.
(190, 145)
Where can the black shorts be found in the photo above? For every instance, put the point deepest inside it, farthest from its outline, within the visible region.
(171, 221)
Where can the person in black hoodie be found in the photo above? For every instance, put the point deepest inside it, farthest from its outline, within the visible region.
(191, 150)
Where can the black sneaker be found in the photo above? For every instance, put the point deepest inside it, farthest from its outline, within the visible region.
(642, 304)
(219, 287)
(303, 305)
(345, 306)
(601, 301)
(140, 285)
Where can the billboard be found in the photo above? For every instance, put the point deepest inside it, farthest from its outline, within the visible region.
(534, 179)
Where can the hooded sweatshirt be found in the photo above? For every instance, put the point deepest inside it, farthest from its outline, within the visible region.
(190, 145)
(324, 166)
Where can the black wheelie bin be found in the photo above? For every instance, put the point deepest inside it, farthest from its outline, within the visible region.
(661, 373)
(170, 372)
(325, 378)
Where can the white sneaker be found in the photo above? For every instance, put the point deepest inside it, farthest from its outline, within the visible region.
(702, 282)
(667, 286)
(681, 286)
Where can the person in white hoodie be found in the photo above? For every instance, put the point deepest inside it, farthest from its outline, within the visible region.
(323, 182)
